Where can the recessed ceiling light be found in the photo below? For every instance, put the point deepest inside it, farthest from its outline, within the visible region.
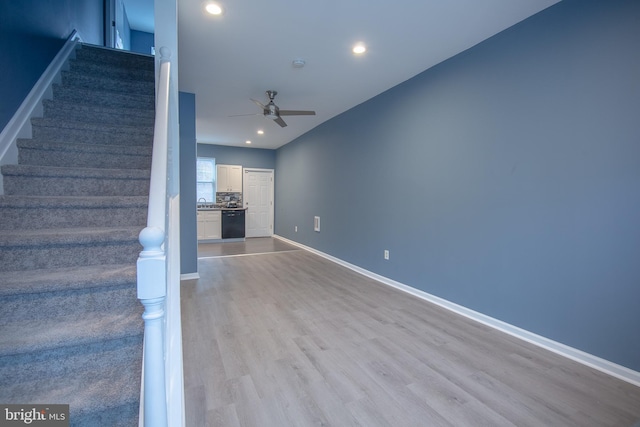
(213, 8)
(260, 132)
(248, 142)
(359, 48)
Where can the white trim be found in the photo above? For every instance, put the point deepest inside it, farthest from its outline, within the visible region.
(174, 372)
(603, 365)
(20, 126)
(257, 170)
(190, 276)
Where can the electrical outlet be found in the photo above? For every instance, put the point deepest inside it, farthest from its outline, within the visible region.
(296, 229)
(316, 223)
(386, 254)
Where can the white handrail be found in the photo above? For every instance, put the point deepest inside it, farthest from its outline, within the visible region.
(152, 262)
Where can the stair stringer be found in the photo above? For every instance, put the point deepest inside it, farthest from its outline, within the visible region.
(20, 124)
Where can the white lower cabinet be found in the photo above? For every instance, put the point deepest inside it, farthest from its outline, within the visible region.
(209, 225)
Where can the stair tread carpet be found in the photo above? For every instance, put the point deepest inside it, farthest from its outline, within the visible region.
(62, 236)
(102, 98)
(65, 279)
(38, 334)
(104, 389)
(119, 73)
(98, 202)
(130, 150)
(66, 172)
(91, 378)
(78, 79)
(70, 219)
(47, 212)
(88, 112)
(92, 127)
(114, 58)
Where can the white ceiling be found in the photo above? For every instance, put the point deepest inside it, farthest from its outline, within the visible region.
(229, 59)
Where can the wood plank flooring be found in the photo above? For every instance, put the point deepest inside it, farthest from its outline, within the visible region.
(290, 339)
(249, 247)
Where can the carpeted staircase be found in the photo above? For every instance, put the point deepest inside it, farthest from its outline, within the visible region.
(70, 323)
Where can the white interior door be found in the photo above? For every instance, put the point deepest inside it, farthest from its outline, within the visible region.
(257, 196)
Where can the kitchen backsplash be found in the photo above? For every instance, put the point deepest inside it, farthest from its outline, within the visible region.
(224, 198)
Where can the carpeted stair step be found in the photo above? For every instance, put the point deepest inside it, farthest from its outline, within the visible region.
(114, 58)
(106, 82)
(62, 154)
(43, 281)
(70, 219)
(59, 109)
(120, 73)
(40, 212)
(102, 98)
(99, 380)
(57, 130)
(54, 248)
(53, 181)
(22, 337)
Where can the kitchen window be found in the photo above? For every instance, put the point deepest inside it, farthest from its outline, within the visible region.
(206, 178)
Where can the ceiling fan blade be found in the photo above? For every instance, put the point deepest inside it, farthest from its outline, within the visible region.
(297, 113)
(280, 122)
(258, 103)
(244, 115)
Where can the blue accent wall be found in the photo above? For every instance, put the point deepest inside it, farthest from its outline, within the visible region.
(505, 179)
(188, 217)
(122, 25)
(247, 157)
(142, 42)
(31, 34)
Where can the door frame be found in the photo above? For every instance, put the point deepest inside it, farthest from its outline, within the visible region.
(109, 10)
(271, 191)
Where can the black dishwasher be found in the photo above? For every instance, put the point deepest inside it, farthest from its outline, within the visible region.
(233, 224)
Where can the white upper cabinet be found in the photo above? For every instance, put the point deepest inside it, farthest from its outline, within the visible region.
(229, 178)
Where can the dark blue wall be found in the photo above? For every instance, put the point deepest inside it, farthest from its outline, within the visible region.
(141, 42)
(188, 219)
(31, 34)
(505, 179)
(122, 25)
(247, 157)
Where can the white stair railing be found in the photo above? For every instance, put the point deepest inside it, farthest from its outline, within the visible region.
(162, 385)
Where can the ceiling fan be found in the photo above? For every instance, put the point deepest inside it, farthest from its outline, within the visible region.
(272, 111)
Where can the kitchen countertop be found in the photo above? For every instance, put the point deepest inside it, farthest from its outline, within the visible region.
(221, 209)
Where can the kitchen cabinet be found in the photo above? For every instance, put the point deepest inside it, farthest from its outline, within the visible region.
(229, 179)
(209, 225)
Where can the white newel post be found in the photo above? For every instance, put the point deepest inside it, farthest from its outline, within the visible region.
(152, 293)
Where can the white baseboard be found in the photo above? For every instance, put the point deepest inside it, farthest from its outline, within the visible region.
(189, 276)
(574, 354)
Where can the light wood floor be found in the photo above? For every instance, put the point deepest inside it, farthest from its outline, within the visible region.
(290, 339)
(249, 247)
